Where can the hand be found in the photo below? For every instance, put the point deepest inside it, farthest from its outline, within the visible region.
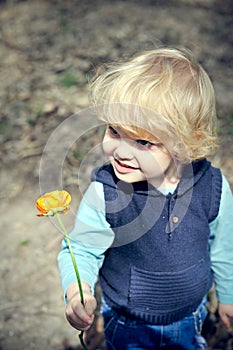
(225, 312)
(78, 315)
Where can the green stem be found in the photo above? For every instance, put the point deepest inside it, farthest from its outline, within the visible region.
(76, 271)
(82, 341)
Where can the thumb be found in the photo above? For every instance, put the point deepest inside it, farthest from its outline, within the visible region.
(90, 306)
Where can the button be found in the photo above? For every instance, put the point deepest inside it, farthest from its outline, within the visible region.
(175, 219)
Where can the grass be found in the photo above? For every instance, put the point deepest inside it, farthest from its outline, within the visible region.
(69, 79)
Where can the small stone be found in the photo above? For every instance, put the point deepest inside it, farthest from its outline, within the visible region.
(49, 108)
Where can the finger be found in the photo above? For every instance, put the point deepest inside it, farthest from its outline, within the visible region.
(78, 326)
(225, 320)
(80, 311)
(78, 323)
(77, 316)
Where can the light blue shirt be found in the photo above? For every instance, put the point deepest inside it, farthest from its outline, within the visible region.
(92, 236)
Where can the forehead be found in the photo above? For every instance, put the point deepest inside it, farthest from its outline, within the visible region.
(135, 121)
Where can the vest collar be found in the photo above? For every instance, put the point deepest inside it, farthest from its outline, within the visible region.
(192, 172)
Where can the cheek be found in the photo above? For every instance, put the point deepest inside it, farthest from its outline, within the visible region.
(155, 163)
(147, 159)
(108, 146)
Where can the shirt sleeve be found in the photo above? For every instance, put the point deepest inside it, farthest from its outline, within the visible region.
(221, 246)
(90, 238)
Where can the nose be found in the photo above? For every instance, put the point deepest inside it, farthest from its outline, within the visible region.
(123, 150)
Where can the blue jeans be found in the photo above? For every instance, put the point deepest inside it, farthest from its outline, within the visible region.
(122, 333)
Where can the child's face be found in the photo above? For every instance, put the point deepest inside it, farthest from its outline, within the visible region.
(136, 160)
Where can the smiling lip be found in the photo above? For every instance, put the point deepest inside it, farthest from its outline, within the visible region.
(123, 168)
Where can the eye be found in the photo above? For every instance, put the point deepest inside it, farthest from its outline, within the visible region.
(113, 131)
(144, 143)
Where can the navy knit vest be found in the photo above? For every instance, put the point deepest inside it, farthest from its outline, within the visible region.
(158, 268)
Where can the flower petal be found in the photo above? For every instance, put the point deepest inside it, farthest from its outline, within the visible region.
(53, 202)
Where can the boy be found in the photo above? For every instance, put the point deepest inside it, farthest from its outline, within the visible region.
(155, 223)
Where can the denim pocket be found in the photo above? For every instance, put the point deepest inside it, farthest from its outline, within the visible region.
(110, 327)
(199, 316)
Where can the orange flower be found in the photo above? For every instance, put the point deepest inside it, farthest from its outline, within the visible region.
(53, 202)
(56, 203)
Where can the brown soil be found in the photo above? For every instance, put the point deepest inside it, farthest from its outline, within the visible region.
(49, 51)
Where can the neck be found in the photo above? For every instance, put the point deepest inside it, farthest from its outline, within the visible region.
(170, 180)
(166, 184)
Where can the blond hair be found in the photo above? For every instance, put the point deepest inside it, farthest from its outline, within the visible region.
(167, 93)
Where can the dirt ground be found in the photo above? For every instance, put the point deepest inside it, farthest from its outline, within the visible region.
(49, 52)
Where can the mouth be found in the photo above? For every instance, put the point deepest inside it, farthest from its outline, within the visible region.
(122, 167)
